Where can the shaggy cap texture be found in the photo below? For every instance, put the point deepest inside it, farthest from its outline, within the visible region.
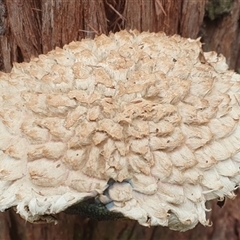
(145, 123)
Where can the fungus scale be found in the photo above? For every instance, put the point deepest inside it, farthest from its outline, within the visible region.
(145, 125)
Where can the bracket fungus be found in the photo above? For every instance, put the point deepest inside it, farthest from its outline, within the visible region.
(144, 124)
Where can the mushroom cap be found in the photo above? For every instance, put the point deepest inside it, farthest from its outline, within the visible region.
(146, 124)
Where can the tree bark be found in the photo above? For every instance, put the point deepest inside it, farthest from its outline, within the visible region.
(29, 28)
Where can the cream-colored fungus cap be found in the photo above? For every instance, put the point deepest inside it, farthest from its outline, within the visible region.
(154, 114)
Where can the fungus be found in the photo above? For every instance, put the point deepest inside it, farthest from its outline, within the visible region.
(144, 125)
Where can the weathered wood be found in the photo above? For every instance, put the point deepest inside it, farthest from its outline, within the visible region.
(191, 18)
(59, 23)
(222, 35)
(34, 27)
(5, 226)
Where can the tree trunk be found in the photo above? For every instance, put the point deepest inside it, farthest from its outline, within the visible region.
(29, 28)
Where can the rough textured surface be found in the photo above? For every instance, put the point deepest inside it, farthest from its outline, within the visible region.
(224, 32)
(30, 28)
(153, 113)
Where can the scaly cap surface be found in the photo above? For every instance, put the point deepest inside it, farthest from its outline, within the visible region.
(145, 123)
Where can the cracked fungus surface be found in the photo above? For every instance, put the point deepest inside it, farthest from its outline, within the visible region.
(153, 114)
